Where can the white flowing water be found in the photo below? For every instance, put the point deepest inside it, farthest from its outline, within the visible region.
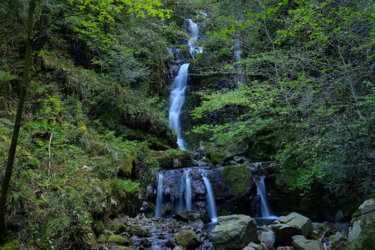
(210, 199)
(265, 210)
(159, 196)
(193, 41)
(188, 195)
(177, 98)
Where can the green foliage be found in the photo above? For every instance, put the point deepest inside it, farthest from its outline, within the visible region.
(305, 67)
(128, 186)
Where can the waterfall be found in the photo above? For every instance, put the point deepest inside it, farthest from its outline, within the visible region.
(177, 97)
(262, 193)
(211, 203)
(159, 196)
(177, 101)
(193, 41)
(188, 195)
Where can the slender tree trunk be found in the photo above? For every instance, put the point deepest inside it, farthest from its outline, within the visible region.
(17, 124)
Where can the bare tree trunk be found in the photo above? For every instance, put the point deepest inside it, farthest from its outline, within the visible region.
(17, 123)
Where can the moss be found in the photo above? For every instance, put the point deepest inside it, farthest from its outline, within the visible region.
(118, 239)
(366, 240)
(219, 155)
(96, 149)
(136, 229)
(103, 238)
(187, 239)
(12, 245)
(118, 228)
(172, 158)
(98, 227)
(239, 178)
(126, 166)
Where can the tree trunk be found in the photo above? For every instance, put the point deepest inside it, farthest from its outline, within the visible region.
(17, 124)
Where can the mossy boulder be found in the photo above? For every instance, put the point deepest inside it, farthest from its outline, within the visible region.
(219, 155)
(169, 159)
(118, 228)
(239, 178)
(103, 238)
(118, 239)
(234, 232)
(137, 230)
(187, 239)
(362, 232)
(214, 153)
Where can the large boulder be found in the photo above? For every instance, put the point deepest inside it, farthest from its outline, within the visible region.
(234, 232)
(187, 239)
(362, 232)
(301, 243)
(302, 223)
(239, 178)
(284, 233)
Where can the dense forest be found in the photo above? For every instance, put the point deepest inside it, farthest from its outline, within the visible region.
(172, 124)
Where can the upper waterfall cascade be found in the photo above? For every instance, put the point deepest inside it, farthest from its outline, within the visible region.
(178, 93)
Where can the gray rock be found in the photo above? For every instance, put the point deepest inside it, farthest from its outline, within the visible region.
(365, 212)
(284, 233)
(302, 223)
(355, 230)
(234, 232)
(178, 248)
(268, 238)
(191, 216)
(254, 246)
(286, 248)
(301, 243)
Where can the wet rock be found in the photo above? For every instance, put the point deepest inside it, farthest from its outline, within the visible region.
(365, 212)
(178, 248)
(301, 243)
(254, 246)
(285, 248)
(267, 237)
(362, 232)
(191, 216)
(284, 233)
(300, 222)
(234, 232)
(187, 239)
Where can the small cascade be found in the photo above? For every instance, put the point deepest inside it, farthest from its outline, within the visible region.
(159, 196)
(193, 41)
(211, 203)
(265, 211)
(188, 194)
(177, 98)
